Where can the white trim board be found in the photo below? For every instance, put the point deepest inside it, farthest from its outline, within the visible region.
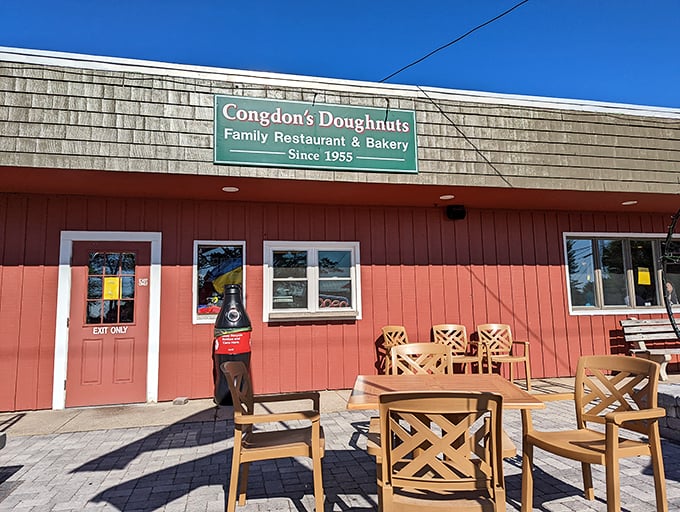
(64, 306)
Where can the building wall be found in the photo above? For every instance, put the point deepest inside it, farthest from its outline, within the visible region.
(418, 268)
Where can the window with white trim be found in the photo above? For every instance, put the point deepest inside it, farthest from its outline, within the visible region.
(216, 264)
(614, 273)
(311, 280)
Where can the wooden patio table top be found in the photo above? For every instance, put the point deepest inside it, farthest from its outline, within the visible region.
(367, 388)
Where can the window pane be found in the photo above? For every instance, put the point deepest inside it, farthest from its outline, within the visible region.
(289, 294)
(94, 311)
(290, 264)
(128, 263)
(613, 275)
(96, 265)
(336, 293)
(581, 272)
(127, 288)
(672, 285)
(642, 259)
(127, 311)
(94, 287)
(218, 266)
(334, 263)
(110, 311)
(112, 263)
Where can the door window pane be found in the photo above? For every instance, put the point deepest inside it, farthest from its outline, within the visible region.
(112, 263)
(94, 287)
(104, 282)
(126, 312)
(127, 263)
(96, 264)
(613, 274)
(127, 288)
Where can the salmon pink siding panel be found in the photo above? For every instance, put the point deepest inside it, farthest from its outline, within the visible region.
(418, 268)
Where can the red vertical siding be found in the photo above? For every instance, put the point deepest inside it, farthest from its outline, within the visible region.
(418, 268)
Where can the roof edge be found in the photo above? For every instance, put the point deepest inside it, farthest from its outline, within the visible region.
(119, 64)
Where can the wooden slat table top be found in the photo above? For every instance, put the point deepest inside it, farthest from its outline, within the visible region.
(367, 388)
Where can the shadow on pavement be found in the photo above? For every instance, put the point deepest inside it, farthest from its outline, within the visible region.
(349, 474)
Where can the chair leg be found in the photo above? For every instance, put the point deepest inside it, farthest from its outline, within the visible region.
(657, 466)
(587, 481)
(378, 480)
(243, 484)
(512, 372)
(318, 483)
(499, 500)
(613, 484)
(527, 477)
(527, 368)
(233, 479)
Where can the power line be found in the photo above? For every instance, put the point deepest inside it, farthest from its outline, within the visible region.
(454, 41)
(467, 139)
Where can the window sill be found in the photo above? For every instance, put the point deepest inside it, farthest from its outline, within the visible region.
(296, 316)
(622, 311)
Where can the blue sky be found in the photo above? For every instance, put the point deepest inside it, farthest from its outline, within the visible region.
(624, 51)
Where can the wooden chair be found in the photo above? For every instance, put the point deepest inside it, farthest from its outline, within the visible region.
(619, 393)
(417, 358)
(455, 336)
(499, 347)
(435, 454)
(251, 445)
(393, 335)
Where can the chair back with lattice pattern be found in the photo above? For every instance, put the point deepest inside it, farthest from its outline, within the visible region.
(394, 335)
(612, 383)
(453, 335)
(496, 338)
(436, 445)
(240, 387)
(416, 358)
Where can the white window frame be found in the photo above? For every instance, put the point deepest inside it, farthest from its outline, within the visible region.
(603, 311)
(210, 319)
(312, 312)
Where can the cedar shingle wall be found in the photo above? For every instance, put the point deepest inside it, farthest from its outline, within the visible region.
(124, 121)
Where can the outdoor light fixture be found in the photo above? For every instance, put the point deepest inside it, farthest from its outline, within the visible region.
(230, 189)
(628, 203)
(447, 197)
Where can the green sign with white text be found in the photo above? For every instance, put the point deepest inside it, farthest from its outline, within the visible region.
(251, 131)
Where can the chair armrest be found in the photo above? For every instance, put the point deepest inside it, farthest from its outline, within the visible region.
(524, 343)
(289, 397)
(621, 417)
(251, 419)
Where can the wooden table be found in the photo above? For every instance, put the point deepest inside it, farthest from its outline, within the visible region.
(367, 388)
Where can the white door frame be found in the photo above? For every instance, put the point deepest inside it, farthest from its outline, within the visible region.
(64, 306)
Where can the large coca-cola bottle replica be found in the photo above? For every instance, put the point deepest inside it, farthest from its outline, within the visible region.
(231, 340)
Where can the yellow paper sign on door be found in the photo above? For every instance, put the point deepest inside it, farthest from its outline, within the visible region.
(644, 276)
(111, 288)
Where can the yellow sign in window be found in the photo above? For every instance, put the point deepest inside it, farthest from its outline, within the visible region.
(111, 288)
(644, 277)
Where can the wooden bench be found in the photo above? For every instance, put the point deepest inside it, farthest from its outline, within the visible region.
(640, 332)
